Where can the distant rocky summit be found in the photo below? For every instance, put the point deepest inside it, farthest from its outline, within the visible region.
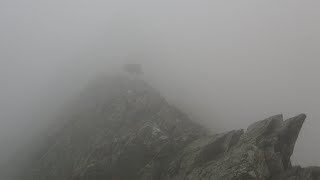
(123, 129)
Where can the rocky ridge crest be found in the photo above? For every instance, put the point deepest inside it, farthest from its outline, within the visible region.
(125, 130)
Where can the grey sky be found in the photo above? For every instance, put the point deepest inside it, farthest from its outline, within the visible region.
(228, 62)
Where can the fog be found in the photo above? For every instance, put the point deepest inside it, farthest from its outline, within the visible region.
(227, 63)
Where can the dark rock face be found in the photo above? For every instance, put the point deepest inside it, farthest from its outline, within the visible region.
(125, 130)
(262, 152)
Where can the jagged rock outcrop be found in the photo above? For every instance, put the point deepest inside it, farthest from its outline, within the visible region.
(125, 130)
(262, 152)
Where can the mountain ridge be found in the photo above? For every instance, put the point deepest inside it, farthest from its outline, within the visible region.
(123, 129)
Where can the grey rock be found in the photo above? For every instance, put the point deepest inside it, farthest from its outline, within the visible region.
(262, 152)
(124, 129)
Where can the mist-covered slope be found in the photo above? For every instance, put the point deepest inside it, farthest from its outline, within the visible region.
(117, 127)
(120, 128)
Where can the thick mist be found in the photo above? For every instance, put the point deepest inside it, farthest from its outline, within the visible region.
(227, 63)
